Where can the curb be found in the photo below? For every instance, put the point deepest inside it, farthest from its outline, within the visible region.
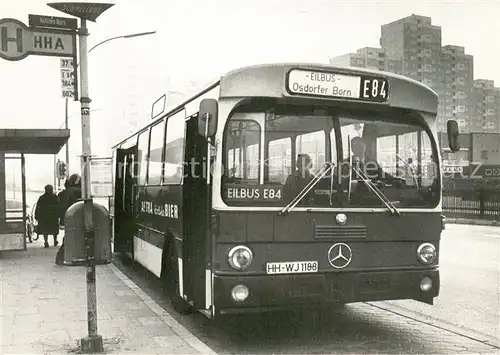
(477, 222)
(178, 328)
(471, 334)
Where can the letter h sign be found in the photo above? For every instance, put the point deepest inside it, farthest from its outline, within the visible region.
(17, 39)
(14, 36)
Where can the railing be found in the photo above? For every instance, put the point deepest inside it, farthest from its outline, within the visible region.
(467, 203)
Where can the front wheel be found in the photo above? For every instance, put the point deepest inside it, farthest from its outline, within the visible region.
(170, 280)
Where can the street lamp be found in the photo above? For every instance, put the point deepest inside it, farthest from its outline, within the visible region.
(90, 50)
(125, 36)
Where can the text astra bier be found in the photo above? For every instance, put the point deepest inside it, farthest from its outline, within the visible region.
(166, 210)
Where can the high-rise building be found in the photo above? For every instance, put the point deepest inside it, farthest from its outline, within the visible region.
(486, 106)
(412, 46)
(448, 70)
(455, 97)
(369, 57)
(417, 43)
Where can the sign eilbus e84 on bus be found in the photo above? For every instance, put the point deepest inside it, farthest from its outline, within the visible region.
(334, 85)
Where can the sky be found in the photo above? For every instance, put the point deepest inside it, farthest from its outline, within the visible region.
(196, 41)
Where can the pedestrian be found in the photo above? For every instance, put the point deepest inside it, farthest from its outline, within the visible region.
(72, 193)
(47, 215)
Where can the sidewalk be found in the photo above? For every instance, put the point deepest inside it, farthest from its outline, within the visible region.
(43, 310)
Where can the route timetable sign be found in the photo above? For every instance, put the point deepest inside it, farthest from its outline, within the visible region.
(101, 176)
(69, 88)
(17, 41)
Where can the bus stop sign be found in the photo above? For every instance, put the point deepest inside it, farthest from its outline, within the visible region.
(17, 41)
(83, 10)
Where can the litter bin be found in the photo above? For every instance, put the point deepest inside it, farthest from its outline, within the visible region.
(74, 237)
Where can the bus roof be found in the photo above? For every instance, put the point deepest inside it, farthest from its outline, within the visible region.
(269, 80)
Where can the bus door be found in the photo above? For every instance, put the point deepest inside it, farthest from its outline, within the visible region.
(196, 205)
(124, 199)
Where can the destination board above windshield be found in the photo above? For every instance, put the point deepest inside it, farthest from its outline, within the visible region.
(335, 85)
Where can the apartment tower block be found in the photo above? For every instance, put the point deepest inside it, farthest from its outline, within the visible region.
(412, 46)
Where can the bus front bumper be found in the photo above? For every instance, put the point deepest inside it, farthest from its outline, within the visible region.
(293, 290)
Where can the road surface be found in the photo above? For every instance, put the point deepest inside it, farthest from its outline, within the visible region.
(464, 318)
(470, 279)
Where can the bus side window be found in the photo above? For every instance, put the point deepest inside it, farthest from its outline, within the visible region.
(174, 149)
(143, 157)
(243, 151)
(155, 153)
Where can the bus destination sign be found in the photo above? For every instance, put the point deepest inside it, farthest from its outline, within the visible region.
(328, 84)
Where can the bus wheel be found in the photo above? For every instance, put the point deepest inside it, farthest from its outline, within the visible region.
(126, 259)
(170, 280)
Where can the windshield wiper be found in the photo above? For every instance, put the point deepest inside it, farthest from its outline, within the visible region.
(374, 188)
(326, 167)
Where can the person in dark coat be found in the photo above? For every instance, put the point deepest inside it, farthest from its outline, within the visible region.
(72, 193)
(47, 215)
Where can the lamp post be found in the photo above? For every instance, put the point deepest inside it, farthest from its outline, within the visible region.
(66, 113)
(86, 12)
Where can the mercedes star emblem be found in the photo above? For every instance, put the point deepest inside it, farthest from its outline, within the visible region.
(339, 255)
(341, 218)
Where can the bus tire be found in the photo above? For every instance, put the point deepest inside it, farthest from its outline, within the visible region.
(170, 279)
(126, 259)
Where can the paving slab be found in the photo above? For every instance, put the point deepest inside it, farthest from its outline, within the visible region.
(43, 310)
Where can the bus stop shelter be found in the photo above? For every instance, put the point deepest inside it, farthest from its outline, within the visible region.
(14, 144)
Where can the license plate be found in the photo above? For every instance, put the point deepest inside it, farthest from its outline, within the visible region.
(292, 267)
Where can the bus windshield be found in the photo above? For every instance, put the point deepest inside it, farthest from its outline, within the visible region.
(271, 155)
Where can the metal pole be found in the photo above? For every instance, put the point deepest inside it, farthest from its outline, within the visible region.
(14, 181)
(55, 172)
(23, 189)
(93, 343)
(67, 142)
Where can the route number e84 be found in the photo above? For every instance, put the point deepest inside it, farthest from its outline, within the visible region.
(375, 89)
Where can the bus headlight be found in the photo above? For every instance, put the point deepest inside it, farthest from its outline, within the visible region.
(426, 253)
(426, 284)
(240, 257)
(240, 293)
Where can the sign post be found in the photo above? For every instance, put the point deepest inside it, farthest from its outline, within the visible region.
(86, 11)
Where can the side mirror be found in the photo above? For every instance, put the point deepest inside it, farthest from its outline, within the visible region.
(207, 117)
(452, 130)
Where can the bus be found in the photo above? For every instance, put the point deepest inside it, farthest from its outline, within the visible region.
(208, 196)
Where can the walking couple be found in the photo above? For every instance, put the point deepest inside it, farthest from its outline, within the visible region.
(51, 209)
